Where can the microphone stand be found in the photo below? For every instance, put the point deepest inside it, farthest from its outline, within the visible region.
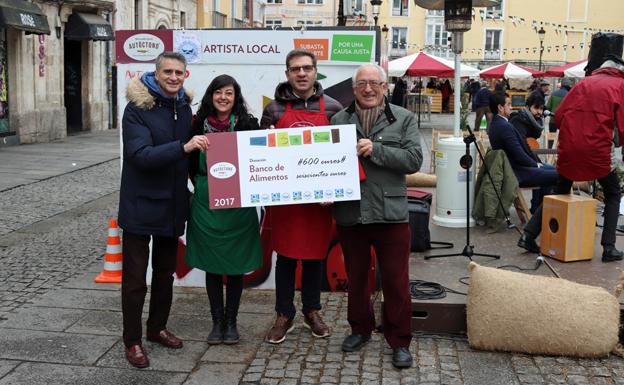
(466, 162)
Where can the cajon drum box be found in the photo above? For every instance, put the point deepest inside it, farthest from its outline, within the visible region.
(568, 227)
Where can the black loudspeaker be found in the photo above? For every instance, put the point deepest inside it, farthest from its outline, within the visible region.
(603, 44)
(419, 207)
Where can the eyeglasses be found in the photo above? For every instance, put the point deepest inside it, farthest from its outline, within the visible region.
(371, 83)
(306, 69)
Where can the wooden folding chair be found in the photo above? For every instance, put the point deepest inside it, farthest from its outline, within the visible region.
(436, 135)
(522, 207)
(554, 136)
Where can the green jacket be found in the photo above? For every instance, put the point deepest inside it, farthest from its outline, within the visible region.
(486, 207)
(396, 152)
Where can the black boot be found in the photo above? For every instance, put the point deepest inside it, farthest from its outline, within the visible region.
(527, 242)
(234, 290)
(214, 289)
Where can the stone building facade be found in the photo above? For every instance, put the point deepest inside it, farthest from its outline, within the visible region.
(57, 58)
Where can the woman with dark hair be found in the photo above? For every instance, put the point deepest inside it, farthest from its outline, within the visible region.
(226, 241)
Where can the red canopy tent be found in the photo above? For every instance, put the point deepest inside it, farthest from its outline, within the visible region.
(510, 70)
(423, 64)
(570, 70)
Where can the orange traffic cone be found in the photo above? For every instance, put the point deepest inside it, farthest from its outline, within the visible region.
(113, 258)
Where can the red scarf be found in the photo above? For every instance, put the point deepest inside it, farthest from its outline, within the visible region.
(212, 124)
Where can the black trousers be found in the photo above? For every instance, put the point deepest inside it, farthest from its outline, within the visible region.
(285, 285)
(135, 250)
(611, 187)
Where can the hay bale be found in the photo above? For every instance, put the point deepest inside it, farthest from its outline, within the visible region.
(518, 312)
(420, 179)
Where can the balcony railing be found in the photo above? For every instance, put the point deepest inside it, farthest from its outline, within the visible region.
(219, 20)
(492, 55)
(237, 23)
(397, 52)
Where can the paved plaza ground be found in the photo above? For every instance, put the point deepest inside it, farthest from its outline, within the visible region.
(58, 327)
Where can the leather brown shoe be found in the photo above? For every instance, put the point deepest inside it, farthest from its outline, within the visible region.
(314, 322)
(165, 338)
(282, 326)
(136, 356)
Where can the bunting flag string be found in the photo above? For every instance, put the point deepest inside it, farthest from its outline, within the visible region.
(440, 48)
(496, 16)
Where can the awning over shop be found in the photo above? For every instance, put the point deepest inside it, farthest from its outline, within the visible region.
(87, 26)
(22, 15)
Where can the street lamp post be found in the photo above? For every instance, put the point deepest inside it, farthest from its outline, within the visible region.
(457, 19)
(541, 33)
(376, 7)
(386, 51)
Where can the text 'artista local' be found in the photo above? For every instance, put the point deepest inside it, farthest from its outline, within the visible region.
(241, 48)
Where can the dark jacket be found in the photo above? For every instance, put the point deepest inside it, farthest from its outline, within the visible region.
(504, 136)
(396, 152)
(398, 93)
(482, 97)
(244, 123)
(527, 125)
(154, 197)
(274, 111)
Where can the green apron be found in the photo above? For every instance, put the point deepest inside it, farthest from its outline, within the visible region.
(225, 241)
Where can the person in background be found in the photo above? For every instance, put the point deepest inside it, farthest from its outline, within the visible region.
(475, 86)
(482, 104)
(154, 198)
(543, 89)
(500, 86)
(303, 231)
(398, 93)
(446, 91)
(388, 147)
(555, 99)
(224, 242)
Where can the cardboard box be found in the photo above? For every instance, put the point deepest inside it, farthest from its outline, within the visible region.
(568, 227)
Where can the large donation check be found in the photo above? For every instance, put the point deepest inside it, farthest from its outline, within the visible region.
(283, 166)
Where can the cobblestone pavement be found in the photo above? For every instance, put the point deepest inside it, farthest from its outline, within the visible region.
(445, 360)
(25, 205)
(53, 231)
(37, 256)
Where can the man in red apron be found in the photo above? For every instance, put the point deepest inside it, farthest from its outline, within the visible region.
(299, 232)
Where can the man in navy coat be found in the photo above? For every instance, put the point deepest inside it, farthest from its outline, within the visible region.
(154, 198)
(528, 168)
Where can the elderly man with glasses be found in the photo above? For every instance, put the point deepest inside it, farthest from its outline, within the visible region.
(388, 147)
(299, 232)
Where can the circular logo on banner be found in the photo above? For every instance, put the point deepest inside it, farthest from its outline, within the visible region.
(143, 47)
(189, 46)
(222, 170)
